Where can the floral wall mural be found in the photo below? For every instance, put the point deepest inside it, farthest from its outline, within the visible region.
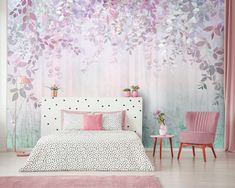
(172, 49)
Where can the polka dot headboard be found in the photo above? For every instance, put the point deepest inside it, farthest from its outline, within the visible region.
(52, 106)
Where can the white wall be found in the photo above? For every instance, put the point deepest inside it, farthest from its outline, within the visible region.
(3, 72)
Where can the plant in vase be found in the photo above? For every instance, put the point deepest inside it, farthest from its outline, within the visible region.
(126, 92)
(160, 116)
(135, 90)
(54, 90)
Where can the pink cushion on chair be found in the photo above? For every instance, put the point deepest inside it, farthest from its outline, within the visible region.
(192, 137)
(92, 121)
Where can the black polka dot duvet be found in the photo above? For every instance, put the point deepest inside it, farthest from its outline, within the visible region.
(74, 150)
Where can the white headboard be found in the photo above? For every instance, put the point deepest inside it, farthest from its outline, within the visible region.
(52, 106)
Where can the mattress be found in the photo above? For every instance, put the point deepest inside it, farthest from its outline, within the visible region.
(74, 150)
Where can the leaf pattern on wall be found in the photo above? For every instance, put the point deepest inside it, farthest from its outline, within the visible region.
(172, 33)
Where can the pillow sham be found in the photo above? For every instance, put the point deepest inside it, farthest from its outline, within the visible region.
(123, 116)
(92, 121)
(71, 120)
(112, 121)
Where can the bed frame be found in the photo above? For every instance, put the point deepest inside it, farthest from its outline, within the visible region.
(52, 106)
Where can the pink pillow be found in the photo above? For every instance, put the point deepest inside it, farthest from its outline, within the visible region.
(92, 121)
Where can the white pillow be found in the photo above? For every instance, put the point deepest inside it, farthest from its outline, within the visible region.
(72, 120)
(112, 121)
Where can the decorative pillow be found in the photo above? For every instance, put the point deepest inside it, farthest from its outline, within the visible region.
(71, 120)
(123, 116)
(112, 121)
(92, 121)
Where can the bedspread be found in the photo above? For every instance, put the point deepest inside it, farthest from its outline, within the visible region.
(74, 150)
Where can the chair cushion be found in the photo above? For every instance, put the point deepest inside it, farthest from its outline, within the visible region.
(191, 137)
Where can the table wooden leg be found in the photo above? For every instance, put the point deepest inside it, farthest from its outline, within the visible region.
(172, 154)
(160, 148)
(193, 148)
(154, 147)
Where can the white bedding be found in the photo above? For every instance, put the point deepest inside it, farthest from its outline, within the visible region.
(73, 150)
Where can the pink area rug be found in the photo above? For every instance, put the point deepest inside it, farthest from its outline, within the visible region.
(79, 181)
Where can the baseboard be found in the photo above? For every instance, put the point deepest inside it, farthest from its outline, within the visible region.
(20, 149)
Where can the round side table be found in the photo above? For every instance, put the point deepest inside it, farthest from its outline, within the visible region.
(160, 137)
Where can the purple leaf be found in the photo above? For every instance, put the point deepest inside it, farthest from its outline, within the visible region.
(33, 98)
(51, 46)
(31, 28)
(215, 56)
(23, 2)
(24, 25)
(28, 73)
(13, 81)
(200, 43)
(209, 28)
(197, 53)
(13, 90)
(212, 35)
(219, 70)
(15, 97)
(21, 64)
(25, 18)
(22, 93)
(42, 46)
(211, 70)
(30, 3)
(218, 64)
(24, 10)
(32, 16)
(217, 31)
(208, 45)
(47, 37)
(203, 66)
(203, 79)
(220, 52)
(28, 87)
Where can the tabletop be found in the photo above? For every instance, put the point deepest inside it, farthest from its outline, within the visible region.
(162, 136)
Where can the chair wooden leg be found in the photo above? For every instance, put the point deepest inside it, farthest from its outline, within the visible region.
(193, 151)
(204, 152)
(180, 148)
(213, 150)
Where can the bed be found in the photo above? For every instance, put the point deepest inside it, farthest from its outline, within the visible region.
(82, 150)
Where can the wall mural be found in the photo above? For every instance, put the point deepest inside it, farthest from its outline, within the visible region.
(172, 49)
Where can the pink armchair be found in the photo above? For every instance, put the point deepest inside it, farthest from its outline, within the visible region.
(201, 131)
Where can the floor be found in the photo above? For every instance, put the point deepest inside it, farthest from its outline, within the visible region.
(186, 173)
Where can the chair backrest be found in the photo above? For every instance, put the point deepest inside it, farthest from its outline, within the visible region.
(202, 121)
